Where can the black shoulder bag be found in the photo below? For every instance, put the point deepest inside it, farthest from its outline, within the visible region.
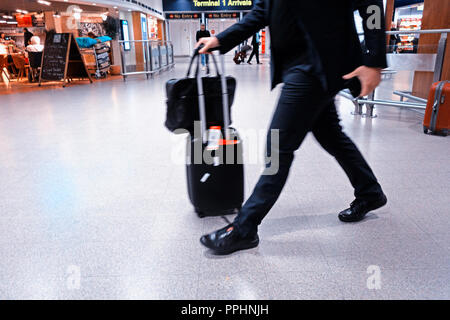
(182, 99)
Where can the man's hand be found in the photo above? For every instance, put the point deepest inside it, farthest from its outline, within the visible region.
(370, 78)
(209, 43)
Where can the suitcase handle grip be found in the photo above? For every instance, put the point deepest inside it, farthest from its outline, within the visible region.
(196, 54)
(197, 50)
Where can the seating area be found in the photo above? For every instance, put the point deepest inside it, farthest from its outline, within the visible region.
(16, 67)
(20, 63)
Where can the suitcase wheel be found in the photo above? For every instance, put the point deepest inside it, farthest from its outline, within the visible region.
(425, 130)
(202, 214)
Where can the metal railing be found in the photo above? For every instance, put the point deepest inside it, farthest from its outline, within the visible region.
(417, 103)
(145, 56)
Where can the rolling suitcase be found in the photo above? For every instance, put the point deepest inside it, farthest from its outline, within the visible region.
(437, 113)
(215, 170)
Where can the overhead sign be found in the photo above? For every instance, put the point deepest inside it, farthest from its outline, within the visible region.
(207, 5)
(183, 16)
(24, 20)
(222, 15)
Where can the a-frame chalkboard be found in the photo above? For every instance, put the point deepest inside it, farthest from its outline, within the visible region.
(62, 59)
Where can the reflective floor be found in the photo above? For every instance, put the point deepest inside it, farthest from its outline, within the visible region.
(93, 203)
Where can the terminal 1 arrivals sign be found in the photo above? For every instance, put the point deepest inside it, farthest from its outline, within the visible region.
(206, 5)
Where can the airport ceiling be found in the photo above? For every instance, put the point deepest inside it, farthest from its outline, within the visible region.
(34, 6)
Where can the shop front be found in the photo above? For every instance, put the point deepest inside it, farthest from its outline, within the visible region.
(407, 18)
(25, 51)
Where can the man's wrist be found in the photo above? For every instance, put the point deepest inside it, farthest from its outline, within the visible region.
(379, 69)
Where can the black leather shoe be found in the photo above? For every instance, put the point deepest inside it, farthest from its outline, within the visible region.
(228, 240)
(359, 208)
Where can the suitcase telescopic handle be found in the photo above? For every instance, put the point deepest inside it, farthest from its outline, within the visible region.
(201, 95)
(201, 104)
(225, 98)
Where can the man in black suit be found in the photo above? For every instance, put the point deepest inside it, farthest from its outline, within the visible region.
(315, 51)
(255, 51)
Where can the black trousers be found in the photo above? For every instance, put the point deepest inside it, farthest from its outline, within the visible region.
(303, 107)
(255, 52)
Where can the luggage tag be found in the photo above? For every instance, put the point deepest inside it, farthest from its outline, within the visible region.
(214, 136)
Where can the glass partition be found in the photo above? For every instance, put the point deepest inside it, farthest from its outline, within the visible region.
(145, 56)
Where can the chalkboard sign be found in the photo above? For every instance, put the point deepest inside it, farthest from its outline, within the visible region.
(62, 59)
(55, 56)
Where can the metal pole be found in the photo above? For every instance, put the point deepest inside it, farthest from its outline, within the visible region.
(416, 31)
(167, 54)
(394, 104)
(165, 31)
(122, 58)
(370, 107)
(409, 96)
(166, 23)
(159, 57)
(172, 56)
(358, 107)
(241, 16)
(146, 59)
(151, 59)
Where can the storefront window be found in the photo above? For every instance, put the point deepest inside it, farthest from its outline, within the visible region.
(408, 18)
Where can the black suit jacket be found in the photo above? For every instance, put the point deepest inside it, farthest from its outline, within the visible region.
(329, 29)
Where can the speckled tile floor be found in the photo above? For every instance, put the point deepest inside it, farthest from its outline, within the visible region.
(93, 203)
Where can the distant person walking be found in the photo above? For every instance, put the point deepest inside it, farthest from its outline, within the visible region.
(255, 52)
(203, 33)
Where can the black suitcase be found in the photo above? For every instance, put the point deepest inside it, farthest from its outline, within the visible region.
(215, 176)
